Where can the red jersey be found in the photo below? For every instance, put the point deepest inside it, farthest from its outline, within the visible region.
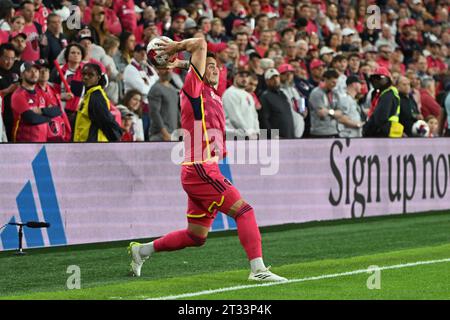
(23, 100)
(32, 51)
(124, 10)
(41, 15)
(59, 129)
(202, 119)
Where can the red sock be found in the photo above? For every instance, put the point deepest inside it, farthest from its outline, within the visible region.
(177, 240)
(248, 232)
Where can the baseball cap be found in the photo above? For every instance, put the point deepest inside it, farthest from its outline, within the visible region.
(27, 65)
(238, 23)
(348, 32)
(139, 47)
(316, 63)
(190, 23)
(16, 34)
(252, 54)
(179, 16)
(326, 50)
(148, 23)
(382, 71)
(285, 67)
(82, 37)
(270, 73)
(42, 63)
(352, 79)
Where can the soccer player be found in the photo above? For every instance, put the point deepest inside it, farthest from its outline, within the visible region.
(203, 122)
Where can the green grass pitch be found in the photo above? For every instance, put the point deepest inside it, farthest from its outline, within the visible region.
(324, 260)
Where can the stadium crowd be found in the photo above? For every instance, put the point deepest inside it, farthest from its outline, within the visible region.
(79, 70)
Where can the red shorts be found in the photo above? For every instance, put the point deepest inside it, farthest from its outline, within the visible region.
(208, 192)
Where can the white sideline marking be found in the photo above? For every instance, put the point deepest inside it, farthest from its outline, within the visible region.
(325, 276)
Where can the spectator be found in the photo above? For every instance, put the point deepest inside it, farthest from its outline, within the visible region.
(317, 69)
(340, 64)
(123, 57)
(3, 137)
(297, 101)
(217, 33)
(385, 108)
(18, 40)
(17, 24)
(98, 25)
(276, 111)
(176, 31)
(433, 124)
(241, 118)
(9, 82)
(386, 38)
(323, 102)
(111, 46)
(74, 54)
(94, 122)
(350, 124)
(427, 98)
(251, 87)
(6, 13)
(164, 111)
(408, 107)
(41, 14)
(57, 41)
(384, 52)
(30, 110)
(141, 76)
(36, 44)
(59, 129)
(124, 10)
(132, 104)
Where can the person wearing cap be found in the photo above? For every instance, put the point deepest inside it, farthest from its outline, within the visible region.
(95, 121)
(316, 68)
(235, 13)
(59, 129)
(296, 100)
(350, 123)
(31, 111)
(384, 112)
(140, 75)
(241, 118)
(164, 111)
(276, 111)
(19, 41)
(190, 28)
(217, 33)
(176, 31)
(347, 40)
(323, 107)
(326, 55)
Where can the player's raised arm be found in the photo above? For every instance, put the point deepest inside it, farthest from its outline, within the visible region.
(196, 46)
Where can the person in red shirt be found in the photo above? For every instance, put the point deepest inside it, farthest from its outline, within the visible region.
(383, 60)
(427, 98)
(124, 10)
(59, 129)
(31, 111)
(41, 14)
(36, 41)
(203, 122)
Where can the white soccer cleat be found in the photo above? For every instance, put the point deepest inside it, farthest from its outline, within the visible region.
(136, 259)
(266, 275)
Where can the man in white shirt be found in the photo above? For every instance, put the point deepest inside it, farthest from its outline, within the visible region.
(141, 76)
(241, 118)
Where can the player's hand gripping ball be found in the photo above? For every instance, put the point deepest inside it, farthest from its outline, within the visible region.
(157, 57)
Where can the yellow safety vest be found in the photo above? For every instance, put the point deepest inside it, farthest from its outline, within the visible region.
(83, 121)
(396, 130)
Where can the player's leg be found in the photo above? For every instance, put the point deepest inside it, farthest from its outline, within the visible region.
(193, 236)
(249, 235)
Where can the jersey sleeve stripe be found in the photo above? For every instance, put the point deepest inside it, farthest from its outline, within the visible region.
(196, 72)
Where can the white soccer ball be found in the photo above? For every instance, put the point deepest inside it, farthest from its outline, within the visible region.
(420, 129)
(152, 54)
